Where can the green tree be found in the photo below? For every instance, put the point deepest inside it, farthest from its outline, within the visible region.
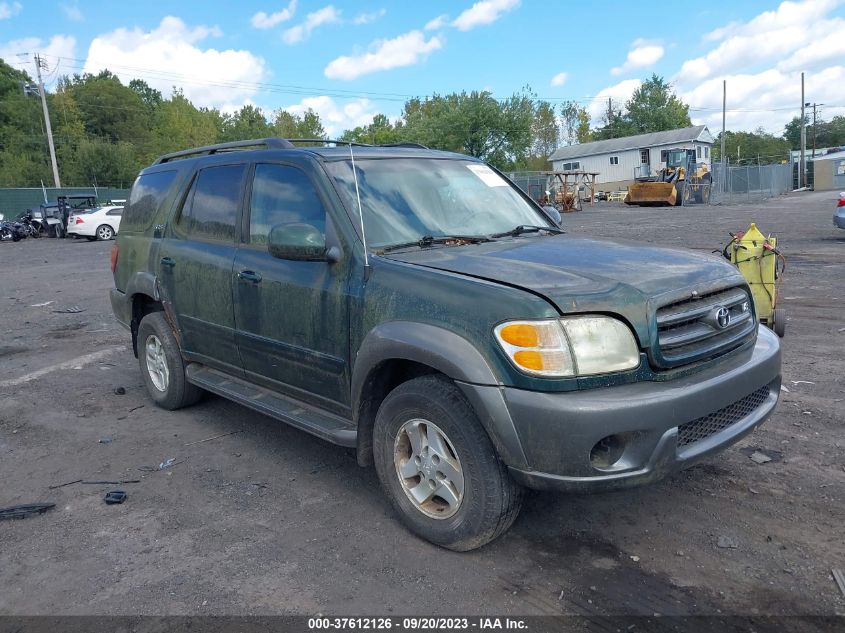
(379, 132)
(110, 110)
(576, 123)
(751, 147)
(473, 123)
(178, 124)
(828, 133)
(289, 125)
(654, 107)
(247, 123)
(24, 157)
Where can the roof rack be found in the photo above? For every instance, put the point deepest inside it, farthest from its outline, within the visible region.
(355, 143)
(327, 141)
(267, 143)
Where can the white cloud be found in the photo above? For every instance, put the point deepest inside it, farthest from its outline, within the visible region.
(337, 118)
(262, 20)
(72, 12)
(768, 37)
(483, 13)
(768, 99)
(366, 18)
(436, 23)
(9, 9)
(301, 32)
(642, 54)
(761, 60)
(173, 56)
(618, 93)
(52, 51)
(559, 79)
(404, 50)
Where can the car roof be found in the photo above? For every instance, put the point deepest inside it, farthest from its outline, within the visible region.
(279, 149)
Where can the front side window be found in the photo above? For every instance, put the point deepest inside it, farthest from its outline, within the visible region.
(211, 209)
(282, 195)
(405, 199)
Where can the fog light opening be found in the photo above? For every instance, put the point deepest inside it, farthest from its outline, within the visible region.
(607, 452)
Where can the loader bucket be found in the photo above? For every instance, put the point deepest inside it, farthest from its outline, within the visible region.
(652, 194)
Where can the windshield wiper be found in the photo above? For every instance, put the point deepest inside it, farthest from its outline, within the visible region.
(527, 228)
(430, 240)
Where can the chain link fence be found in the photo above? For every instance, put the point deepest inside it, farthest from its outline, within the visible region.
(745, 183)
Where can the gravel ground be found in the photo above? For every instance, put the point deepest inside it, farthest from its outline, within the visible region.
(268, 520)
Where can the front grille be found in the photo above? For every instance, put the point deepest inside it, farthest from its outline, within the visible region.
(691, 330)
(702, 428)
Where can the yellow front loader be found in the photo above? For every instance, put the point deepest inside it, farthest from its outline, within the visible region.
(758, 260)
(681, 181)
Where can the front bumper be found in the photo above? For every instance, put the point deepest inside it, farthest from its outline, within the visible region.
(556, 432)
(839, 218)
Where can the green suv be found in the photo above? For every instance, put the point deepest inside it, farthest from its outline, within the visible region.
(418, 307)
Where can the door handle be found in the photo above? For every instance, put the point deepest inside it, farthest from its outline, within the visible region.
(168, 261)
(249, 275)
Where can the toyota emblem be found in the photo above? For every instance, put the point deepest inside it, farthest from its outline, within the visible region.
(723, 317)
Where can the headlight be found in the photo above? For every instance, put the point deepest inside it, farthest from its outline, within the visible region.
(571, 346)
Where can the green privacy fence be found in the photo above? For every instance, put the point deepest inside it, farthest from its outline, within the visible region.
(13, 201)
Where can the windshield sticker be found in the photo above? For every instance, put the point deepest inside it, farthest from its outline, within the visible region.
(488, 176)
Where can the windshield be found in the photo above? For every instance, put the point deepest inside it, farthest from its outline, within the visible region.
(404, 199)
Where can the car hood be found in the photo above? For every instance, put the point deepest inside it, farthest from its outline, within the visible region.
(579, 274)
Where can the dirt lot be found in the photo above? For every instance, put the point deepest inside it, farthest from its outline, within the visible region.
(270, 520)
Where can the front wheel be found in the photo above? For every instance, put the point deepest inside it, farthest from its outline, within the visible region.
(105, 232)
(439, 467)
(162, 366)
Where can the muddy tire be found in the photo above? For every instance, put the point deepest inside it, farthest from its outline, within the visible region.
(439, 467)
(162, 366)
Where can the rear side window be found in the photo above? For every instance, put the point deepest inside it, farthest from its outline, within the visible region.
(148, 194)
(282, 195)
(211, 208)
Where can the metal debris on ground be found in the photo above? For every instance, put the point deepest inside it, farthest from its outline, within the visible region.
(41, 305)
(727, 542)
(105, 440)
(760, 458)
(111, 483)
(802, 382)
(208, 439)
(115, 496)
(24, 510)
(70, 310)
(839, 577)
(119, 391)
(167, 463)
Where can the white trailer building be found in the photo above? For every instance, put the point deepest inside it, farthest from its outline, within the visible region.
(620, 160)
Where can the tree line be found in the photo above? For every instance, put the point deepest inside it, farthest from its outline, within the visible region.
(105, 131)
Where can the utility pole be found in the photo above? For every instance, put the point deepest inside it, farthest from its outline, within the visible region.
(802, 178)
(815, 105)
(39, 64)
(610, 115)
(722, 152)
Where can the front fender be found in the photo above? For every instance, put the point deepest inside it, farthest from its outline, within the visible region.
(452, 356)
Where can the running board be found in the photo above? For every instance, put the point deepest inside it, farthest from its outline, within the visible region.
(324, 425)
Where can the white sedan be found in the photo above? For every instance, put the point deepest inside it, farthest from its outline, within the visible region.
(101, 223)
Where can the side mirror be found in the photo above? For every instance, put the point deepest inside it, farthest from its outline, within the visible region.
(554, 214)
(301, 242)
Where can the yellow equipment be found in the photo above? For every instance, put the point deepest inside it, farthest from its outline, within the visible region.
(757, 258)
(681, 181)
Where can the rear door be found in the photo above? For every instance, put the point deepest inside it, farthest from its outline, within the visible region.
(291, 316)
(195, 265)
(113, 218)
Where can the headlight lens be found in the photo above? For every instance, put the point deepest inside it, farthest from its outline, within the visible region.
(571, 346)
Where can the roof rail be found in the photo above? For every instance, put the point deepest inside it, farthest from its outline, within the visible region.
(405, 144)
(267, 143)
(355, 143)
(328, 140)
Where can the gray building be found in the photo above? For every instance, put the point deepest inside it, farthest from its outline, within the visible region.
(619, 160)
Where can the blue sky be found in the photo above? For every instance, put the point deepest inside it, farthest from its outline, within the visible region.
(350, 60)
